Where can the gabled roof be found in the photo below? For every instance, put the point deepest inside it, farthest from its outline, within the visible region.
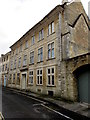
(87, 22)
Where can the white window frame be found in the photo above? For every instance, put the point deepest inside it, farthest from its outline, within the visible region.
(32, 57)
(40, 54)
(15, 63)
(50, 48)
(21, 48)
(50, 75)
(38, 76)
(51, 28)
(26, 44)
(31, 77)
(16, 50)
(18, 78)
(14, 76)
(11, 66)
(33, 40)
(19, 62)
(25, 60)
(41, 34)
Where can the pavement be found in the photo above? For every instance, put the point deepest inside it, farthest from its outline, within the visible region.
(75, 107)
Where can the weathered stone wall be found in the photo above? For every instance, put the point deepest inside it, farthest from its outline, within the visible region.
(69, 82)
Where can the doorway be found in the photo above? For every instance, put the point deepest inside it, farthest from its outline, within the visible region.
(23, 81)
(83, 83)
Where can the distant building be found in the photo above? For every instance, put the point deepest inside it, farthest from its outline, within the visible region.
(48, 58)
(4, 68)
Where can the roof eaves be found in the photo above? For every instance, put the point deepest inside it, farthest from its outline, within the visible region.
(58, 6)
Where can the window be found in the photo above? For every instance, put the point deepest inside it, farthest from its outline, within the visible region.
(11, 64)
(50, 75)
(15, 63)
(19, 62)
(10, 78)
(41, 34)
(32, 57)
(3, 68)
(39, 77)
(33, 40)
(40, 54)
(51, 28)
(6, 67)
(30, 77)
(21, 48)
(25, 60)
(7, 57)
(13, 78)
(51, 50)
(26, 45)
(16, 50)
(18, 78)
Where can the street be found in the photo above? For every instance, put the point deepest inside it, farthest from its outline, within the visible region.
(16, 106)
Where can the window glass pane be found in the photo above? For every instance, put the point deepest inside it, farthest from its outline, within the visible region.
(40, 71)
(49, 80)
(31, 79)
(49, 46)
(49, 29)
(48, 71)
(41, 57)
(52, 70)
(52, 45)
(52, 27)
(40, 79)
(49, 54)
(52, 79)
(37, 79)
(42, 34)
(32, 72)
(52, 53)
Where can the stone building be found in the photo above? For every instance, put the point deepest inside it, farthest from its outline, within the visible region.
(48, 58)
(4, 69)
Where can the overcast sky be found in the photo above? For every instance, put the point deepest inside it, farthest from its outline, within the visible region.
(18, 16)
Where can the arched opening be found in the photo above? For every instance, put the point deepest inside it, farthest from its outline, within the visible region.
(82, 75)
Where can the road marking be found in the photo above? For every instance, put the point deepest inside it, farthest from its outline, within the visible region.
(44, 105)
(57, 112)
(36, 105)
(1, 116)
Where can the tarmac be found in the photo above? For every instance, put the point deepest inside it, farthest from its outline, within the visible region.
(76, 107)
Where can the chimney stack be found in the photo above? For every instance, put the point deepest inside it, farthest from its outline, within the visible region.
(64, 1)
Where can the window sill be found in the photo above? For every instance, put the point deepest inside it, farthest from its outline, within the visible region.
(30, 84)
(50, 59)
(40, 62)
(19, 66)
(41, 40)
(50, 34)
(39, 84)
(24, 65)
(25, 48)
(31, 63)
(32, 44)
(14, 68)
(51, 86)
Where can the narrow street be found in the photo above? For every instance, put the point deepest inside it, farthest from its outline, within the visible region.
(16, 106)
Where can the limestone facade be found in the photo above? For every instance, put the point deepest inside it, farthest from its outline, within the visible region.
(43, 59)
